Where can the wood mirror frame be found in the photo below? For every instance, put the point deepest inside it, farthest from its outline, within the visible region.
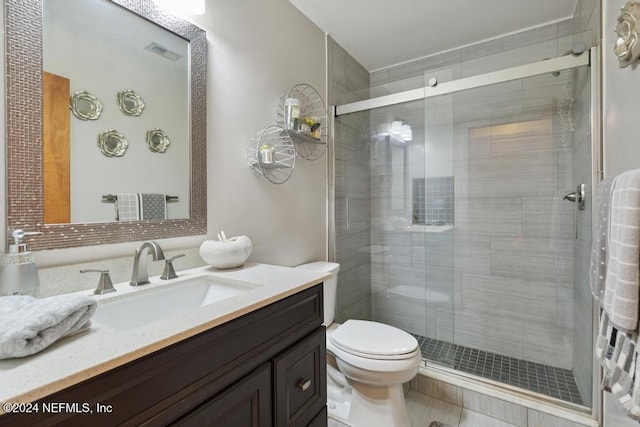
(24, 162)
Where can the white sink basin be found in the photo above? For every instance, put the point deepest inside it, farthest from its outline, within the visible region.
(150, 305)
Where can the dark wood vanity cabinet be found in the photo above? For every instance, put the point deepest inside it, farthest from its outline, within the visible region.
(265, 368)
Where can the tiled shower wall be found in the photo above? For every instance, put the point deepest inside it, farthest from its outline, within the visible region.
(511, 289)
(349, 82)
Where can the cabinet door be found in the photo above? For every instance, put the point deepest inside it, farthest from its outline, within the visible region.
(245, 404)
(300, 376)
(321, 420)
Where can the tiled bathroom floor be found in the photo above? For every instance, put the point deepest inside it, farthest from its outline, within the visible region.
(551, 381)
(424, 409)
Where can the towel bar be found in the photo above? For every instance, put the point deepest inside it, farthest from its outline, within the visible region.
(111, 198)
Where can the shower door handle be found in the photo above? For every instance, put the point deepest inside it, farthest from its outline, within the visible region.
(577, 197)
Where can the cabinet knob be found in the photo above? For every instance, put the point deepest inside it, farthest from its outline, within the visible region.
(304, 384)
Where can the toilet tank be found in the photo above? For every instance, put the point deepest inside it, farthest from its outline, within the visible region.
(330, 286)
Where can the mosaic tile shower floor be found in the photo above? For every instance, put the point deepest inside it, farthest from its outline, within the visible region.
(549, 380)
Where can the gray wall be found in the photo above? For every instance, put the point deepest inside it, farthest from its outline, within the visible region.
(348, 82)
(620, 129)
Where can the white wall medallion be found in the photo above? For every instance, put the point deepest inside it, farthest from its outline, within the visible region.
(627, 48)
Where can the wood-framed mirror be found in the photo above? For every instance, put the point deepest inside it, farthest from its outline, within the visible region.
(26, 163)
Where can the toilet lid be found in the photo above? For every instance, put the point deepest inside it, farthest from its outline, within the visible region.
(363, 337)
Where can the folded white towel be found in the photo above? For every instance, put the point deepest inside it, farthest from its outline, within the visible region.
(622, 285)
(29, 325)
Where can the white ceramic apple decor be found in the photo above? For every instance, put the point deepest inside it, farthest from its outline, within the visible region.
(226, 253)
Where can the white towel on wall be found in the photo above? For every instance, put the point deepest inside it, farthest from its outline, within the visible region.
(622, 284)
(29, 325)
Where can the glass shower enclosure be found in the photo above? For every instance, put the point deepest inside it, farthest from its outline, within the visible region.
(451, 221)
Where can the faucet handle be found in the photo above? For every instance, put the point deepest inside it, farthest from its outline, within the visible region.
(169, 272)
(105, 285)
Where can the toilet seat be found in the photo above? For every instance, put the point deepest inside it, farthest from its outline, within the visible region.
(373, 340)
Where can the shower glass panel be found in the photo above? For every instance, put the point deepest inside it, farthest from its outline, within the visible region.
(515, 236)
(398, 218)
(471, 246)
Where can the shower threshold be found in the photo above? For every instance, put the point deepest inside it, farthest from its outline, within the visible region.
(551, 381)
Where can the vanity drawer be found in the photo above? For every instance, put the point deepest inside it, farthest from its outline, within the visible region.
(300, 381)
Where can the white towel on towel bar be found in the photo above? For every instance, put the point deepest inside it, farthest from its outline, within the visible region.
(622, 284)
(128, 207)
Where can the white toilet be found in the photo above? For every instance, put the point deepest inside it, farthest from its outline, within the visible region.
(373, 360)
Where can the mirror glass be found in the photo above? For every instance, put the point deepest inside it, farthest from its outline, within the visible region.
(116, 56)
(85, 81)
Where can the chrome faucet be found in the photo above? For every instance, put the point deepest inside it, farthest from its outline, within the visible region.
(140, 275)
(105, 285)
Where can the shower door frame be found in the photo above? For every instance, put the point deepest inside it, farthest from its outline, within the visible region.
(590, 58)
(514, 73)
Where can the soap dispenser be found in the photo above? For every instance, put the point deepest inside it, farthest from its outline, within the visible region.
(19, 275)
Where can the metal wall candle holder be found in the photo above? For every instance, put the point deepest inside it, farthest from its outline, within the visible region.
(271, 154)
(310, 139)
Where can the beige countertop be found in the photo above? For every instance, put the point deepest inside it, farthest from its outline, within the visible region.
(75, 359)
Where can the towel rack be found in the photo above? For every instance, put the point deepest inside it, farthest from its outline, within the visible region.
(111, 198)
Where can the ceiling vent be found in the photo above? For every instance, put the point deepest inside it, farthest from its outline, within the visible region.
(163, 51)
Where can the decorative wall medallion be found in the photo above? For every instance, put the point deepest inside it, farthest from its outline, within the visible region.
(627, 48)
(130, 103)
(157, 140)
(112, 143)
(85, 106)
